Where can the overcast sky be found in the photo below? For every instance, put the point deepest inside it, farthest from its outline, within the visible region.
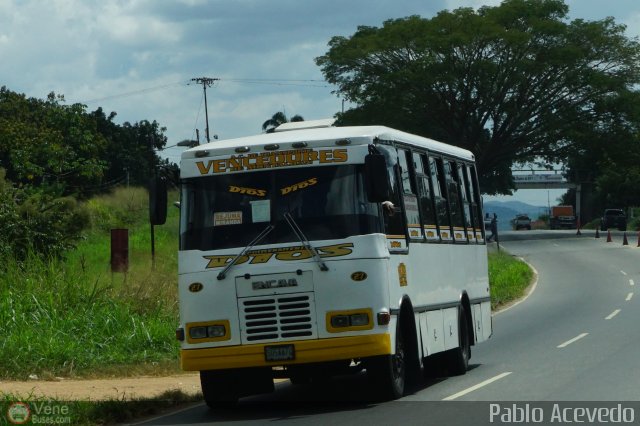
(137, 57)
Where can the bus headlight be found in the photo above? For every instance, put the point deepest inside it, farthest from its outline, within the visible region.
(198, 332)
(209, 331)
(357, 319)
(216, 331)
(338, 321)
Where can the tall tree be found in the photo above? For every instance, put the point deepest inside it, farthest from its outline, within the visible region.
(277, 119)
(511, 83)
(46, 143)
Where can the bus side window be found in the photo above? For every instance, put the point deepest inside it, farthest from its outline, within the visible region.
(411, 209)
(465, 190)
(455, 203)
(436, 172)
(475, 202)
(393, 223)
(425, 197)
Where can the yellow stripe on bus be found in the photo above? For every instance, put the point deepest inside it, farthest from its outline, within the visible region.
(306, 351)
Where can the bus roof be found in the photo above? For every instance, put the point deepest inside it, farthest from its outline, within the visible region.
(324, 136)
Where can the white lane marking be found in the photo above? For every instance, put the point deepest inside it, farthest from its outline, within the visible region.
(629, 296)
(613, 314)
(556, 245)
(623, 272)
(476, 387)
(570, 341)
(631, 282)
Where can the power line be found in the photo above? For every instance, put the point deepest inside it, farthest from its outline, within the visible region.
(134, 92)
(265, 81)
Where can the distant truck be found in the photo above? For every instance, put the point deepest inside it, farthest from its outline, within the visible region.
(562, 217)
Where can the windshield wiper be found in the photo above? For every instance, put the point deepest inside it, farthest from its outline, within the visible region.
(296, 230)
(256, 240)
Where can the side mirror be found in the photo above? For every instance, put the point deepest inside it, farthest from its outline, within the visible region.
(376, 178)
(157, 201)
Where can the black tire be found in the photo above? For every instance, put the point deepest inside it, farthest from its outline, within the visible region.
(388, 372)
(219, 389)
(458, 358)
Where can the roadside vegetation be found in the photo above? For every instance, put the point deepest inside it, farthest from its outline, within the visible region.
(509, 277)
(69, 315)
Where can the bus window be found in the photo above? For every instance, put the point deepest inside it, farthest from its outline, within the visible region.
(475, 202)
(455, 204)
(436, 172)
(411, 209)
(467, 207)
(425, 197)
(394, 223)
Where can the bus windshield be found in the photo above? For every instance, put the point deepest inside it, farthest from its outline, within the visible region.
(230, 210)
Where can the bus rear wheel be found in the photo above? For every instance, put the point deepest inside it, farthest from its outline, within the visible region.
(458, 358)
(388, 372)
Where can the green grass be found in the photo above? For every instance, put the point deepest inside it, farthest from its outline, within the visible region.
(73, 317)
(508, 277)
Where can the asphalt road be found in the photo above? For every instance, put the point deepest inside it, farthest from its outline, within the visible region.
(575, 338)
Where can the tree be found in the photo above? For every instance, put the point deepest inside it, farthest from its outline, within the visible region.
(512, 83)
(277, 119)
(48, 144)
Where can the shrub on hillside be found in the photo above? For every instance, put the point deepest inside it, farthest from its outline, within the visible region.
(38, 222)
(122, 208)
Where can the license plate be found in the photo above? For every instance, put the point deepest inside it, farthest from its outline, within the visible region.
(279, 353)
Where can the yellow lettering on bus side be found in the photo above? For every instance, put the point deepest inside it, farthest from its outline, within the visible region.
(202, 168)
(219, 166)
(261, 257)
(221, 261)
(294, 255)
(235, 163)
(336, 250)
(340, 155)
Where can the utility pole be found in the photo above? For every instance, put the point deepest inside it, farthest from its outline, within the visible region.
(206, 82)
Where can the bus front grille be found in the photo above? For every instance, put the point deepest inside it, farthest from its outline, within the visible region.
(278, 317)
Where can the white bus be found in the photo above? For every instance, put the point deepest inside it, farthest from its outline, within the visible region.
(313, 251)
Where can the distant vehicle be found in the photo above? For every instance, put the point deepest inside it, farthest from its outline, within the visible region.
(522, 221)
(562, 217)
(613, 218)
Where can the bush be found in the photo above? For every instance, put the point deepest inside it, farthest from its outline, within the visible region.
(122, 208)
(32, 221)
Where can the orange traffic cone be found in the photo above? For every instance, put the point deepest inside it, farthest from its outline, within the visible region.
(608, 236)
(597, 233)
(624, 239)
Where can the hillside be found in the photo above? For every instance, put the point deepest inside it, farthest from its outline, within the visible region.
(507, 210)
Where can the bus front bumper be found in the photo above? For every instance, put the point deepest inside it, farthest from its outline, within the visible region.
(306, 351)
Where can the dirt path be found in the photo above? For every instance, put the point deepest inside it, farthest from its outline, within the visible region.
(123, 388)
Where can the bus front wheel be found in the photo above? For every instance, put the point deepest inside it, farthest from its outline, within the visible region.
(218, 388)
(388, 372)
